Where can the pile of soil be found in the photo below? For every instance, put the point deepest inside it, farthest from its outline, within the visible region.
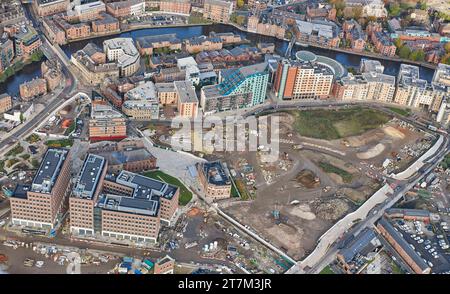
(332, 210)
(308, 179)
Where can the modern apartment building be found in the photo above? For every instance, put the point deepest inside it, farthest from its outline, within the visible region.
(302, 80)
(415, 92)
(237, 88)
(141, 102)
(50, 7)
(124, 53)
(85, 194)
(40, 204)
(52, 74)
(106, 124)
(27, 41)
(218, 10)
(215, 181)
(367, 86)
(187, 102)
(181, 94)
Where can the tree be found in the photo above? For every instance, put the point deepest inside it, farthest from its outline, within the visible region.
(240, 3)
(357, 12)
(404, 52)
(447, 47)
(394, 9)
(240, 20)
(417, 55)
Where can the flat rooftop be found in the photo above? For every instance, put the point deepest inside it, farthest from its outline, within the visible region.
(215, 173)
(146, 188)
(49, 170)
(186, 91)
(89, 177)
(121, 157)
(129, 205)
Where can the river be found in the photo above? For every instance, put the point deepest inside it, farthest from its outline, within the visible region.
(391, 67)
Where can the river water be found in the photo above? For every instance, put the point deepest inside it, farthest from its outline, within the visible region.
(11, 86)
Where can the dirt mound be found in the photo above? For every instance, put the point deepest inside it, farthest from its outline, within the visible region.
(308, 179)
(354, 195)
(332, 210)
(194, 212)
(302, 211)
(372, 152)
(393, 132)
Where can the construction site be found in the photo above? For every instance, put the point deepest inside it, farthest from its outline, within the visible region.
(316, 181)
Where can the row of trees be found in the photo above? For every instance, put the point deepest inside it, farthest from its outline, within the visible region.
(403, 51)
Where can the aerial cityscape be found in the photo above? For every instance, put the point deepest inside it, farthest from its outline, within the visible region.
(225, 137)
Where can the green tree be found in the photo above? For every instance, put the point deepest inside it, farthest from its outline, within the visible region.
(394, 9)
(240, 20)
(240, 3)
(404, 52)
(447, 47)
(417, 55)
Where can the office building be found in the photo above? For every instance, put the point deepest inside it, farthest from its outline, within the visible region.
(85, 193)
(41, 203)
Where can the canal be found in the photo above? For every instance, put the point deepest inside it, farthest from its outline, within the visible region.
(349, 60)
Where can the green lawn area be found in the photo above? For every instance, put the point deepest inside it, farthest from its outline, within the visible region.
(234, 191)
(59, 143)
(401, 111)
(185, 194)
(242, 190)
(446, 162)
(327, 271)
(335, 124)
(329, 168)
(70, 129)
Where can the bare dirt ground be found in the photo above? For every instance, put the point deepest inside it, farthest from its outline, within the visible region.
(305, 200)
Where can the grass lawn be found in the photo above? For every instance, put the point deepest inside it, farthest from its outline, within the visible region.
(59, 143)
(329, 168)
(327, 271)
(335, 124)
(401, 111)
(185, 194)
